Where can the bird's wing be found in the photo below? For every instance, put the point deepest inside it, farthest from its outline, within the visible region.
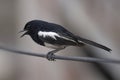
(57, 37)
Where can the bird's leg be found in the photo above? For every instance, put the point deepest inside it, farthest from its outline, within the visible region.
(50, 55)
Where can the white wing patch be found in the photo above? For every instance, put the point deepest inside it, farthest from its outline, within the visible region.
(50, 34)
(68, 39)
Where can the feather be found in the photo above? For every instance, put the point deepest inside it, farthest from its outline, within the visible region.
(93, 43)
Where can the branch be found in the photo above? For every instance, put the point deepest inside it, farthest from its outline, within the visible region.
(71, 58)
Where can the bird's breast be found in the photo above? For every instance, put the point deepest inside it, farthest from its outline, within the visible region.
(54, 46)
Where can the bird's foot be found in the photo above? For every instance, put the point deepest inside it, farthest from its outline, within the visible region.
(50, 56)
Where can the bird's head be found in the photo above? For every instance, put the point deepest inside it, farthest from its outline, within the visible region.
(26, 30)
(30, 27)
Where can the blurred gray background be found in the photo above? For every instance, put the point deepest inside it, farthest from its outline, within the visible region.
(97, 20)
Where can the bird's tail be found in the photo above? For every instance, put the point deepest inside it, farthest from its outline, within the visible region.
(85, 41)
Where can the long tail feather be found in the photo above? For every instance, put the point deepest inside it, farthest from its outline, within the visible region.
(94, 44)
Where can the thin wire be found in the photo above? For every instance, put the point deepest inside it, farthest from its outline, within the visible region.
(71, 58)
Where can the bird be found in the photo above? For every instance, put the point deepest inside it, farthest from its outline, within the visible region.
(55, 36)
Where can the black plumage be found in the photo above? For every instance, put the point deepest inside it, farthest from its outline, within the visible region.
(55, 36)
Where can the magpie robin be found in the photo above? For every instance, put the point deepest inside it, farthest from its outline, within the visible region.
(55, 36)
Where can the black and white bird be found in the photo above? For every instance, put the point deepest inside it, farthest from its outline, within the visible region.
(55, 36)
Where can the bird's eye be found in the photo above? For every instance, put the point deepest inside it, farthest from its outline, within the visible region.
(27, 27)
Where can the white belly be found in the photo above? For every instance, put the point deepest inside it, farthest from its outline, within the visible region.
(54, 46)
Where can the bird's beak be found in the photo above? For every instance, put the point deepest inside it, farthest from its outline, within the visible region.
(25, 33)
